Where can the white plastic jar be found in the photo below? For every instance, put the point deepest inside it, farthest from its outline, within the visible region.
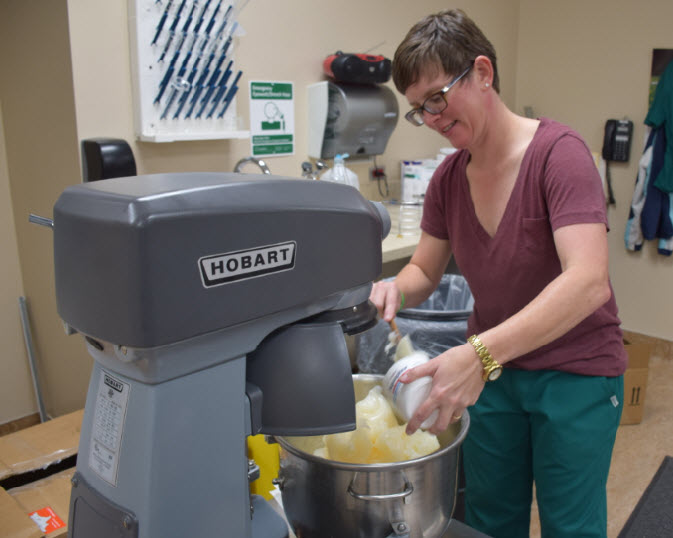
(407, 397)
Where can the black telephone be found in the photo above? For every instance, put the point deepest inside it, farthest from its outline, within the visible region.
(617, 140)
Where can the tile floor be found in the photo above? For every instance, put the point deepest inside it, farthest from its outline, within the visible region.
(639, 448)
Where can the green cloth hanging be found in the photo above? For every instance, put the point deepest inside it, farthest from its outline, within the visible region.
(661, 113)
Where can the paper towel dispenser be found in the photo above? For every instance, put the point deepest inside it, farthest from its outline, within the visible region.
(356, 119)
(106, 158)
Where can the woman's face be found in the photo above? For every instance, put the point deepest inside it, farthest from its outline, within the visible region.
(453, 123)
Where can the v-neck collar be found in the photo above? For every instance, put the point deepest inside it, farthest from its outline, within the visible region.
(479, 229)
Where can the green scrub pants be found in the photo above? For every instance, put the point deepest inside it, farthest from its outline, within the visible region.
(550, 428)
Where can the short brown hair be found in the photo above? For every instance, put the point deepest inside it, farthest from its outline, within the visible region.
(446, 41)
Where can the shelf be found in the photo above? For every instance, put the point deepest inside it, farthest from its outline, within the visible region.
(177, 137)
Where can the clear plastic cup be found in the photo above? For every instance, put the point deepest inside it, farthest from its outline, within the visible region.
(409, 219)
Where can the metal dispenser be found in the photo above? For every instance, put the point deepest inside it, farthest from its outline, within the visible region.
(357, 119)
(214, 307)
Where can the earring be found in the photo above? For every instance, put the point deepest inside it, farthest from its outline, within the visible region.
(486, 85)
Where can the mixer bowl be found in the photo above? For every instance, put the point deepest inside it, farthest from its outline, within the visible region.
(330, 499)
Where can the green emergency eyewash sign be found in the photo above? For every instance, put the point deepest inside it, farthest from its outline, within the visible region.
(272, 118)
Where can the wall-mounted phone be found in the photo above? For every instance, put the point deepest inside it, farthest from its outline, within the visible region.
(616, 147)
(617, 140)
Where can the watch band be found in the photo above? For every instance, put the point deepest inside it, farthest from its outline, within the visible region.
(492, 369)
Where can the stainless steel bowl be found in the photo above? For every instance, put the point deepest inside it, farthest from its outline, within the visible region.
(330, 499)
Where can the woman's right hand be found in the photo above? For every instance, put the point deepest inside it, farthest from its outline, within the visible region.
(387, 298)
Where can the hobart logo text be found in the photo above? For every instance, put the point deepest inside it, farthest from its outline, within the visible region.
(113, 383)
(243, 264)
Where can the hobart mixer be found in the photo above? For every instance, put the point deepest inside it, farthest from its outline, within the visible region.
(214, 306)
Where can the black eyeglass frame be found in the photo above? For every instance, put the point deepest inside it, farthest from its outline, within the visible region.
(415, 115)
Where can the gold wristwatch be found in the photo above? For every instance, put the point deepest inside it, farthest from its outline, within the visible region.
(492, 369)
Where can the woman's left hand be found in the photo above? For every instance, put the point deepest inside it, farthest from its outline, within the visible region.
(456, 384)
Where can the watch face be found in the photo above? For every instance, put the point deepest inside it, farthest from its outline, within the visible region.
(494, 374)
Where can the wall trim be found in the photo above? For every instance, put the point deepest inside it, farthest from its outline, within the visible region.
(19, 424)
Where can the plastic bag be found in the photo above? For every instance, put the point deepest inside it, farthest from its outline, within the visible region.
(437, 324)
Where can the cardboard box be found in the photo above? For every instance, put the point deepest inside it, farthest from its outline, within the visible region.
(35, 452)
(47, 503)
(635, 382)
(37, 510)
(15, 522)
(35, 492)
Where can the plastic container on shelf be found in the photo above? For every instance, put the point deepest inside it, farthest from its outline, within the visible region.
(340, 174)
(409, 219)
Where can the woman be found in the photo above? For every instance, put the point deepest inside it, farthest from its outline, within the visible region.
(521, 207)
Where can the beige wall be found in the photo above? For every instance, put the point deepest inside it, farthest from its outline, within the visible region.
(40, 143)
(585, 62)
(71, 80)
(16, 392)
(284, 41)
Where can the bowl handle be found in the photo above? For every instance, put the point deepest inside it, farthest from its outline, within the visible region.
(408, 490)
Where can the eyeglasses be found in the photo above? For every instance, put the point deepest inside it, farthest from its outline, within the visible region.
(434, 104)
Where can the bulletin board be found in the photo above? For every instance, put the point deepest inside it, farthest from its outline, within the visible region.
(185, 78)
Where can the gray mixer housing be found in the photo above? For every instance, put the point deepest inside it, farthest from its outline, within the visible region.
(214, 306)
(130, 253)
